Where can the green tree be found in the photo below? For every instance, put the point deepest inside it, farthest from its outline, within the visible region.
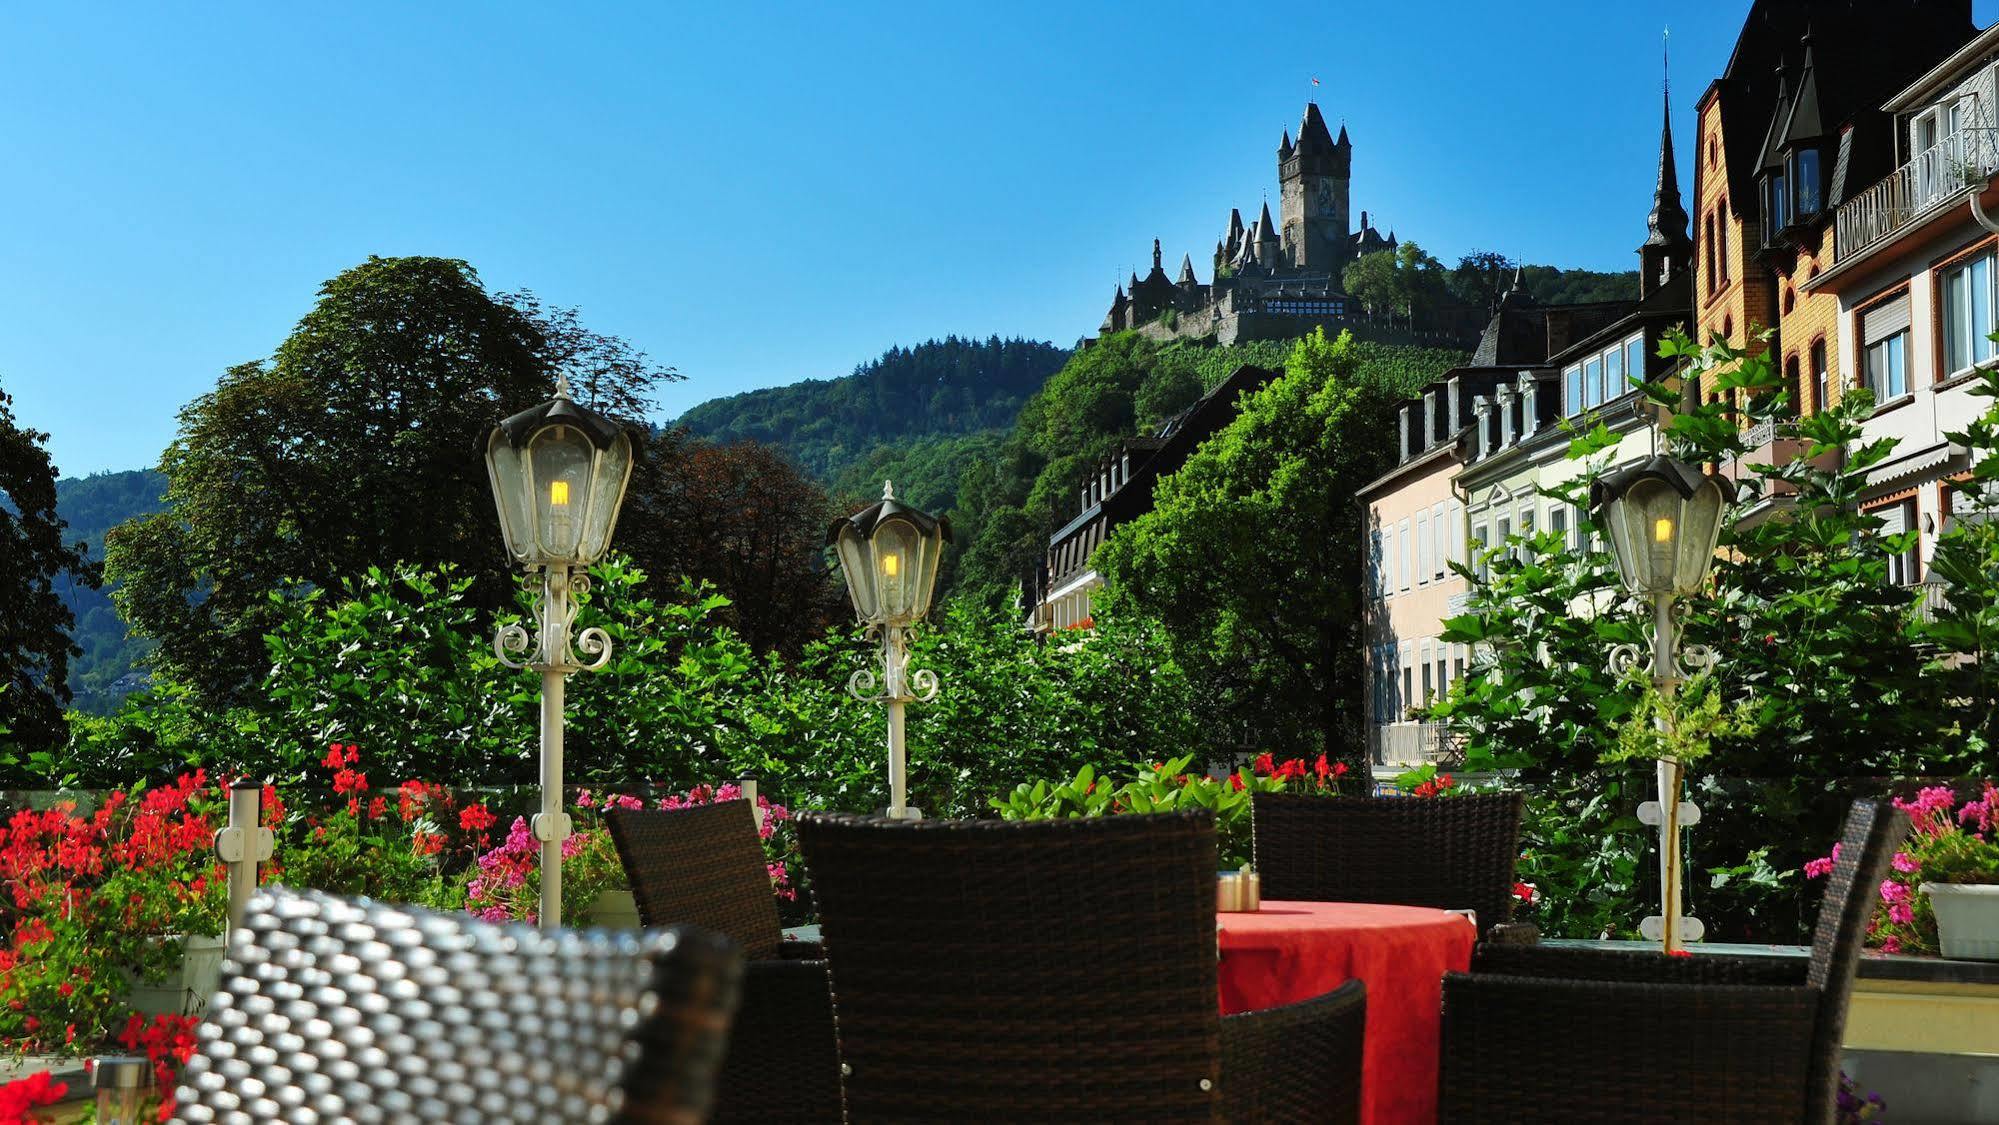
(35, 647)
(353, 446)
(1250, 557)
(1822, 672)
(1404, 282)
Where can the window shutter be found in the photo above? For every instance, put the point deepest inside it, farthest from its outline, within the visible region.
(1893, 520)
(1884, 320)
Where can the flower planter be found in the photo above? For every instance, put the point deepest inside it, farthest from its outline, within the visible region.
(188, 988)
(614, 910)
(1967, 919)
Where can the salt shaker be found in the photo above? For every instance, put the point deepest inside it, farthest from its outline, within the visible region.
(123, 1086)
(1250, 892)
(1228, 893)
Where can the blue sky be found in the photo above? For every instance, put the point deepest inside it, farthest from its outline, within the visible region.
(757, 193)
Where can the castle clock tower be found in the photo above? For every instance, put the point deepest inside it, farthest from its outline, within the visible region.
(1314, 175)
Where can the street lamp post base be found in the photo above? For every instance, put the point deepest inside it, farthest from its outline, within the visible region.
(909, 812)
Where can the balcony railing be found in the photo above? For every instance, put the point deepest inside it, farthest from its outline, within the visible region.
(1942, 172)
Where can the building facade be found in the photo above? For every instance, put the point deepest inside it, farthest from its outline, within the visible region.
(1916, 291)
(1480, 448)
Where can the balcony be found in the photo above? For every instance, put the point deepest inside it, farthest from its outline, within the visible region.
(1940, 174)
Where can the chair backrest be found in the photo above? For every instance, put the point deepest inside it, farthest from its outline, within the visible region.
(343, 1009)
(1446, 852)
(700, 866)
(1867, 844)
(1059, 970)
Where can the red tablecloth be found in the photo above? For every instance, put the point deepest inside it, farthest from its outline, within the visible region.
(1291, 951)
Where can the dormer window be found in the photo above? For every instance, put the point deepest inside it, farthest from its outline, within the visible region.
(1807, 199)
(1777, 199)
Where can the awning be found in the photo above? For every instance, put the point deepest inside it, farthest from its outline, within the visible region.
(1929, 461)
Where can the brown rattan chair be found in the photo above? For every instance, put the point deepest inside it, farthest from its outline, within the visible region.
(336, 1009)
(1452, 853)
(1540, 1033)
(1059, 970)
(704, 866)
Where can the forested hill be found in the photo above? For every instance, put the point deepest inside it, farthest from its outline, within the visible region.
(91, 506)
(938, 388)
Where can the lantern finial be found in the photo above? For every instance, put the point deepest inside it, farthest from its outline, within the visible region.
(888, 489)
(562, 387)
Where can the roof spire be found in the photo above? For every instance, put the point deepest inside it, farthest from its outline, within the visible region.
(1667, 224)
(1155, 255)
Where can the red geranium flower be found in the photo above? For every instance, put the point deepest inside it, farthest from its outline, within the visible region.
(474, 818)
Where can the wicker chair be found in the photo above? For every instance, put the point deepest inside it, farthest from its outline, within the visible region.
(1536, 1033)
(337, 1009)
(1058, 970)
(1452, 854)
(704, 866)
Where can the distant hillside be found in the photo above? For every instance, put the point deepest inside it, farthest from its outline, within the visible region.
(91, 506)
(939, 388)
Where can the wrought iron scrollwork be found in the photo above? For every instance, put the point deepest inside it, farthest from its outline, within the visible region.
(555, 605)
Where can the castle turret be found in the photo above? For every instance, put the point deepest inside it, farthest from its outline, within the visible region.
(1269, 248)
(1314, 175)
(1186, 279)
(1667, 251)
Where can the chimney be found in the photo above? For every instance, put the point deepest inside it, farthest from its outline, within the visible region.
(1403, 429)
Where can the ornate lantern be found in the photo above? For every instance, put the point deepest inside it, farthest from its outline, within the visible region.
(889, 552)
(1664, 519)
(559, 472)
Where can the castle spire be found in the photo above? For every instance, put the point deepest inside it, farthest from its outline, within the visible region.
(1187, 270)
(1155, 256)
(1312, 135)
(1284, 149)
(1264, 231)
(1343, 142)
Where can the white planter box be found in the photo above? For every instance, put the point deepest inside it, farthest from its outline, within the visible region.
(187, 990)
(614, 910)
(1967, 919)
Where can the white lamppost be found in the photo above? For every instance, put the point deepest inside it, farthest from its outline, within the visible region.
(889, 553)
(1664, 520)
(559, 472)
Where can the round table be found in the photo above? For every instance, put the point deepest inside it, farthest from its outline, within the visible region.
(1291, 951)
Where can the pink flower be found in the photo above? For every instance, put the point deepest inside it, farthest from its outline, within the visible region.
(1901, 914)
(1905, 864)
(1891, 944)
(1893, 892)
(1820, 868)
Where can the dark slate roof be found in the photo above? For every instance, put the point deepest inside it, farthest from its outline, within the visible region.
(1264, 231)
(864, 521)
(1312, 134)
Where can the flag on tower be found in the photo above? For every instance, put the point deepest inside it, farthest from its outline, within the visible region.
(1315, 82)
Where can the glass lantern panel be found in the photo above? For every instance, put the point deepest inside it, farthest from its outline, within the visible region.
(1701, 528)
(926, 578)
(1657, 525)
(561, 457)
(855, 564)
(607, 494)
(897, 551)
(508, 472)
(1625, 544)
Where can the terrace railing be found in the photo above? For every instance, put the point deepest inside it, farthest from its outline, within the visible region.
(1940, 173)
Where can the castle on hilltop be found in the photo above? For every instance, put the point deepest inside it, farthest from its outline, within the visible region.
(1277, 281)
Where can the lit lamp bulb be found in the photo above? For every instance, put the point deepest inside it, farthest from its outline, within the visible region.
(558, 493)
(1662, 530)
(891, 565)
